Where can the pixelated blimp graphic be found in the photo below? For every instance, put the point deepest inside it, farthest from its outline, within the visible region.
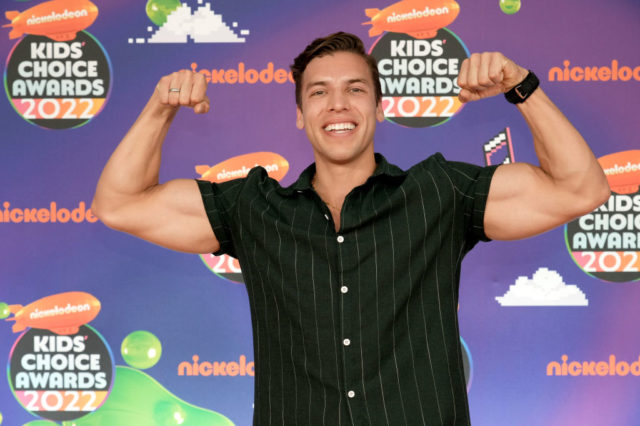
(544, 288)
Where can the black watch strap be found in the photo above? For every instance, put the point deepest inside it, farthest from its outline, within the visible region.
(521, 92)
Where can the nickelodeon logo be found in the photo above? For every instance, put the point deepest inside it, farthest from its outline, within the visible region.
(59, 20)
(61, 313)
(52, 214)
(622, 170)
(615, 72)
(238, 167)
(612, 367)
(243, 75)
(418, 18)
(216, 368)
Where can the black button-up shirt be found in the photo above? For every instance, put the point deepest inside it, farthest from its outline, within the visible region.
(359, 326)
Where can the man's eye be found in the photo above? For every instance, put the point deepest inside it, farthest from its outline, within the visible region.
(356, 89)
(317, 92)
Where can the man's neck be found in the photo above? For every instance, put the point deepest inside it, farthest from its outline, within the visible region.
(333, 181)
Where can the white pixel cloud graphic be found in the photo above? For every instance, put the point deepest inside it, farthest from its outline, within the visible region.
(202, 26)
(545, 288)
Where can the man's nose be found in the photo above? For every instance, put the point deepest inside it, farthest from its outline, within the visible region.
(338, 101)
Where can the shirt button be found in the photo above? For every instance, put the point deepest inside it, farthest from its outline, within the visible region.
(346, 342)
(344, 289)
(351, 394)
(340, 238)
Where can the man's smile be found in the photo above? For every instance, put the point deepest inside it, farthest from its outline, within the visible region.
(339, 128)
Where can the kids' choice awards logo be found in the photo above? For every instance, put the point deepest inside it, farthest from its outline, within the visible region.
(59, 369)
(57, 76)
(277, 166)
(418, 61)
(606, 242)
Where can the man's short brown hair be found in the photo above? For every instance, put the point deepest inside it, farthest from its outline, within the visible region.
(336, 42)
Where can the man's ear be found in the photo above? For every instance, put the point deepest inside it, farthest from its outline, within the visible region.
(379, 112)
(299, 118)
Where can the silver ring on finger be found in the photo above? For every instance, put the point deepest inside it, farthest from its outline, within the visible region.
(174, 89)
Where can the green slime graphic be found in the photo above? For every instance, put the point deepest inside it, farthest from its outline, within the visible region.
(158, 10)
(4, 312)
(510, 6)
(141, 349)
(41, 423)
(138, 399)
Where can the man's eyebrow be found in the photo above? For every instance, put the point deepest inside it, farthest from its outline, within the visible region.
(316, 83)
(325, 83)
(358, 80)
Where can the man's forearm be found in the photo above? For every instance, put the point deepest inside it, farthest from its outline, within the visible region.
(134, 166)
(128, 191)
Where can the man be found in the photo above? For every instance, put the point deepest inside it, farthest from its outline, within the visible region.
(352, 272)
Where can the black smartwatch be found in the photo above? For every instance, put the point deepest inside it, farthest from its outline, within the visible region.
(521, 92)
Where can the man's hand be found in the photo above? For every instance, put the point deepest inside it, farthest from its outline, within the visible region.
(487, 74)
(183, 88)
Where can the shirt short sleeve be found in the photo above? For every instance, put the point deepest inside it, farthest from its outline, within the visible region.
(220, 200)
(472, 184)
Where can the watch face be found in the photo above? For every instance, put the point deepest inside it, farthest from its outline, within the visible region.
(517, 90)
(522, 91)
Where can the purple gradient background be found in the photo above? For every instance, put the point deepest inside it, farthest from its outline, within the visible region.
(192, 311)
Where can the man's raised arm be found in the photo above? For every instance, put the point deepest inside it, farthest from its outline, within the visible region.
(129, 197)
(525, 200)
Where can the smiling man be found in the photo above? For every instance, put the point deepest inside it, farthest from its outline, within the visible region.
(338, 106)
(352, 272)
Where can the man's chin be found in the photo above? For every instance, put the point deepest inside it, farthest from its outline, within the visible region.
(339, 157)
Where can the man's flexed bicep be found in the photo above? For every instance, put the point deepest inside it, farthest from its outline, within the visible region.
(525, 201)
(128, 195)
(171, 215)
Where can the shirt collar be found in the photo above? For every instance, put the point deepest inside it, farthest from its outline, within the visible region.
(383, 168)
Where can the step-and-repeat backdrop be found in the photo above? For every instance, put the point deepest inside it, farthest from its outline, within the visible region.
(102, 328)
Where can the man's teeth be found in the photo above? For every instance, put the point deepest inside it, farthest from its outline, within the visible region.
(338, 127)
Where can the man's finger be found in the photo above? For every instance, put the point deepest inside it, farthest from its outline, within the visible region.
(199, 90)
(202, 107)
(496, 66)
(186, 85)
(483, 70)
(472, 73)
(174, 89)
(462, 75)
(163, 89)
(464, 95)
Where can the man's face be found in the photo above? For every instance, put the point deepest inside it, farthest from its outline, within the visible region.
(339, 109)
